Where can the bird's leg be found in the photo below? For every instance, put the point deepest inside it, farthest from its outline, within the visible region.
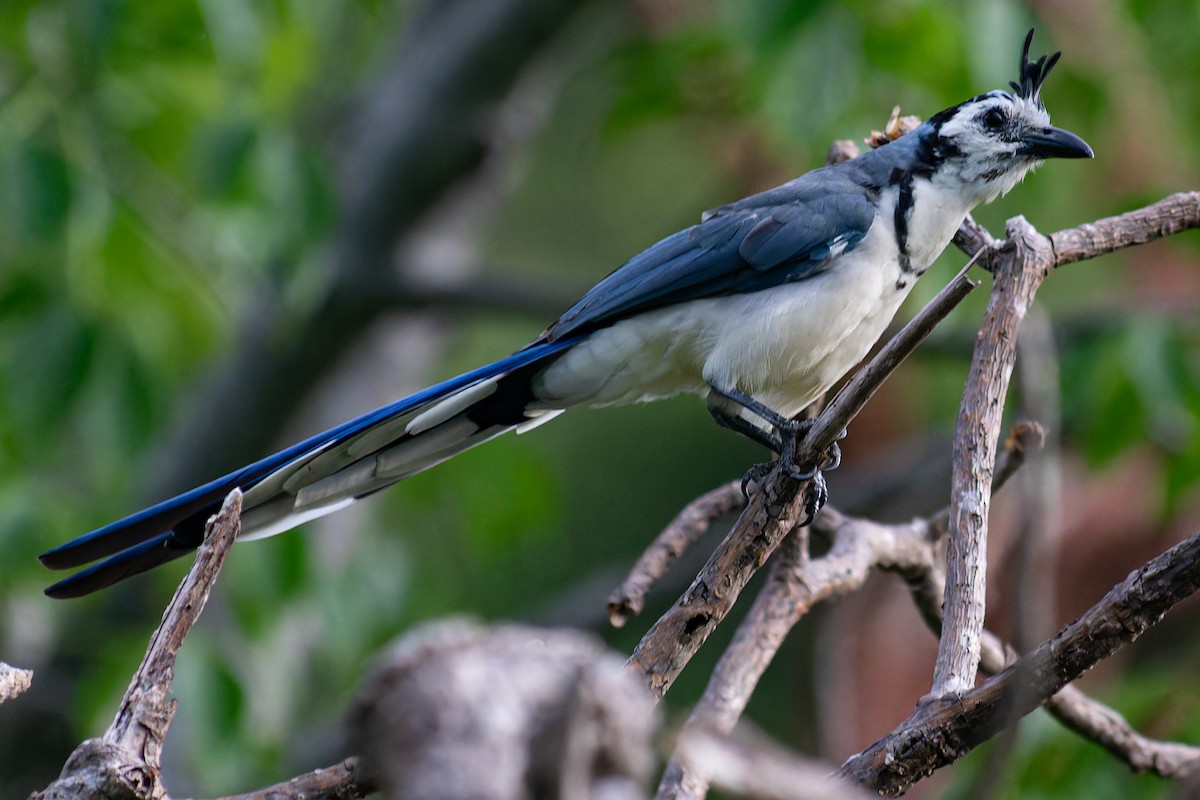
(783, 439)
(727, 418)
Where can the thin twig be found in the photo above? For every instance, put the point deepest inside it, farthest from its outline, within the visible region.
(1167, 217)
(342, 781)
(761, 770)
(772, 512)
(1107, 728)
(939, 732)
(628, 599)
(146, 711)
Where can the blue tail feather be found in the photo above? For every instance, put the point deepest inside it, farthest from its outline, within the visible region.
(125, 564)
(172, 528)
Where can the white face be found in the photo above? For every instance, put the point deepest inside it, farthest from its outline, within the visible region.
(984, 139)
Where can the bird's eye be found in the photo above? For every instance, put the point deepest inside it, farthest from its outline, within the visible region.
(994, 119)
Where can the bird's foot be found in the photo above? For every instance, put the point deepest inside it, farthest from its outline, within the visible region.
(790, 433)
(818, 490)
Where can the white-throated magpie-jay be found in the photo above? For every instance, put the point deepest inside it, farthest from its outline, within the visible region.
(761, 307)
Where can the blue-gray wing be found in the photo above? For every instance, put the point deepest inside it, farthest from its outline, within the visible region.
(786, 234)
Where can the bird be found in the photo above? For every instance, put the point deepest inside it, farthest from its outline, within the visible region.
(759, 308)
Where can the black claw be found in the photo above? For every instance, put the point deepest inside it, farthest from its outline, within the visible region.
(756, 474)
(833, 458)
(818, 496)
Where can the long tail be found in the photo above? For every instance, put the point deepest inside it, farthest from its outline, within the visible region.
(321, 474)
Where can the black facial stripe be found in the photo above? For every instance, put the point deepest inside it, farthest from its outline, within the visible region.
(903, 213)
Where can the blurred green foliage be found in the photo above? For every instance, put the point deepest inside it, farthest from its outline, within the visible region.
(161, 164)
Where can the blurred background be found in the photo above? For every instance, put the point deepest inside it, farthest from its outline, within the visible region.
(226, 224)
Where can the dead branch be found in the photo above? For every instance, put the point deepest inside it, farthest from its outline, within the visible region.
(772, 512)
(762, 770)
(1032, 561)
(145, 711)
(125, 761)
(1104, 726)
(344, 781)
(1018, 276)
(1167, 217)
(972, 238)
(628, 599)
(940, 731)
(1024, 262)
(14, 681)
(1076, 710)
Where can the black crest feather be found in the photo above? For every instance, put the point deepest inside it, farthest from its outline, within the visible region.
(1033, 73)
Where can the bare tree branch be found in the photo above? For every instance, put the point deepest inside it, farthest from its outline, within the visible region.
(125, 761)
(1104, 726)
(939, 732)
(1076, 710)
(1027, 258)
(1167, 217)
(1017, 279)
(760, 769)
(343, 781)
(146, 711)
(972, 238)
(1029, 590)
(628, 599)
(14, 681)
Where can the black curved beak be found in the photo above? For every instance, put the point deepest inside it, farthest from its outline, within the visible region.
(1055, 143)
